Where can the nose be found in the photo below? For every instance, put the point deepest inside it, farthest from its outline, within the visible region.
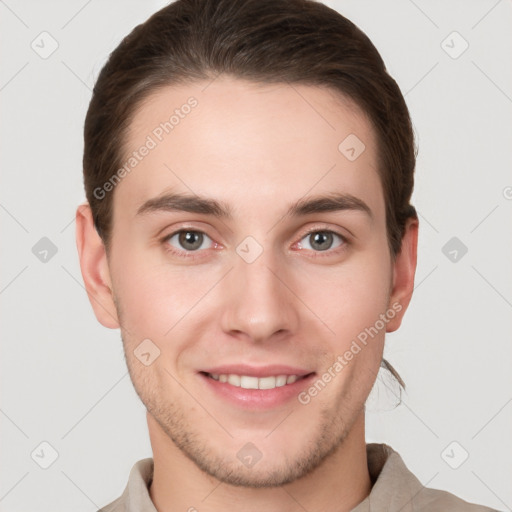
(259, 303)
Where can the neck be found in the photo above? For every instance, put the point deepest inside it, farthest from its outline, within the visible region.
(340, 483)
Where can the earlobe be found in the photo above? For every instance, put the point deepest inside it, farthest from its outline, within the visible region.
(404, 270)
(94, 268)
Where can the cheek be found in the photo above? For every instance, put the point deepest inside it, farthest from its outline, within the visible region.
(349, 298)
(352, 303)
(155, 297)
(161, 301)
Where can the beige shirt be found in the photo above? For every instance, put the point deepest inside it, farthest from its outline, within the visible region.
(394, 489)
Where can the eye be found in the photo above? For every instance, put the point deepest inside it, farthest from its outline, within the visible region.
(323, 240)
(189, 240)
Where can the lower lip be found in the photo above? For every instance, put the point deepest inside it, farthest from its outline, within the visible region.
(257, 398)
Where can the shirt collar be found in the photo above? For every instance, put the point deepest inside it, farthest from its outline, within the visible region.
(394, 487)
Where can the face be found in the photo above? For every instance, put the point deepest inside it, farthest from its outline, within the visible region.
(251, 274)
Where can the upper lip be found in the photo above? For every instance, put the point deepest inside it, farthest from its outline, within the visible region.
(257, 371)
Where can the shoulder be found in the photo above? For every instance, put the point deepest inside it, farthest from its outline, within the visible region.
(117, 505)
(435, 500)
(135, 497)
(396, 488)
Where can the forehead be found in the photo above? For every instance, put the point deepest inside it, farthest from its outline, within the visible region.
(246, 143)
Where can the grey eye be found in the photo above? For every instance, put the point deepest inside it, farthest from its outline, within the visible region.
(189, 240)
(320, 240)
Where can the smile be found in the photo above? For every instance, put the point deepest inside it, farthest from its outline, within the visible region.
(250, 382)
(252, 388)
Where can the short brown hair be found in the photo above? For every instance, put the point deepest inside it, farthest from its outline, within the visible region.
(266, 41)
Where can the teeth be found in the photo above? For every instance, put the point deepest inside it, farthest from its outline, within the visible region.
(249, 382)
(280, 381)
(267, 383)
(234, 380)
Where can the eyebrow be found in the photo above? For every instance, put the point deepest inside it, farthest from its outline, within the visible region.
(304, 206)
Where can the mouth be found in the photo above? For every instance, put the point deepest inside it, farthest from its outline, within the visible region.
(256, 388)
(253, 382)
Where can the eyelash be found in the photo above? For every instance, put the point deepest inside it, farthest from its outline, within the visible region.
(194, 254)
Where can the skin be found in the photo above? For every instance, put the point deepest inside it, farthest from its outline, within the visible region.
(257, 148)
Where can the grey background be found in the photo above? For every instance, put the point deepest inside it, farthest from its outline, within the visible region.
(64, 379)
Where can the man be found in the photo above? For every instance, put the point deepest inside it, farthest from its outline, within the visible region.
(248, 167)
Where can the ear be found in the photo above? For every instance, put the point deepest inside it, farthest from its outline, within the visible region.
(94, 267)
(404, 270)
